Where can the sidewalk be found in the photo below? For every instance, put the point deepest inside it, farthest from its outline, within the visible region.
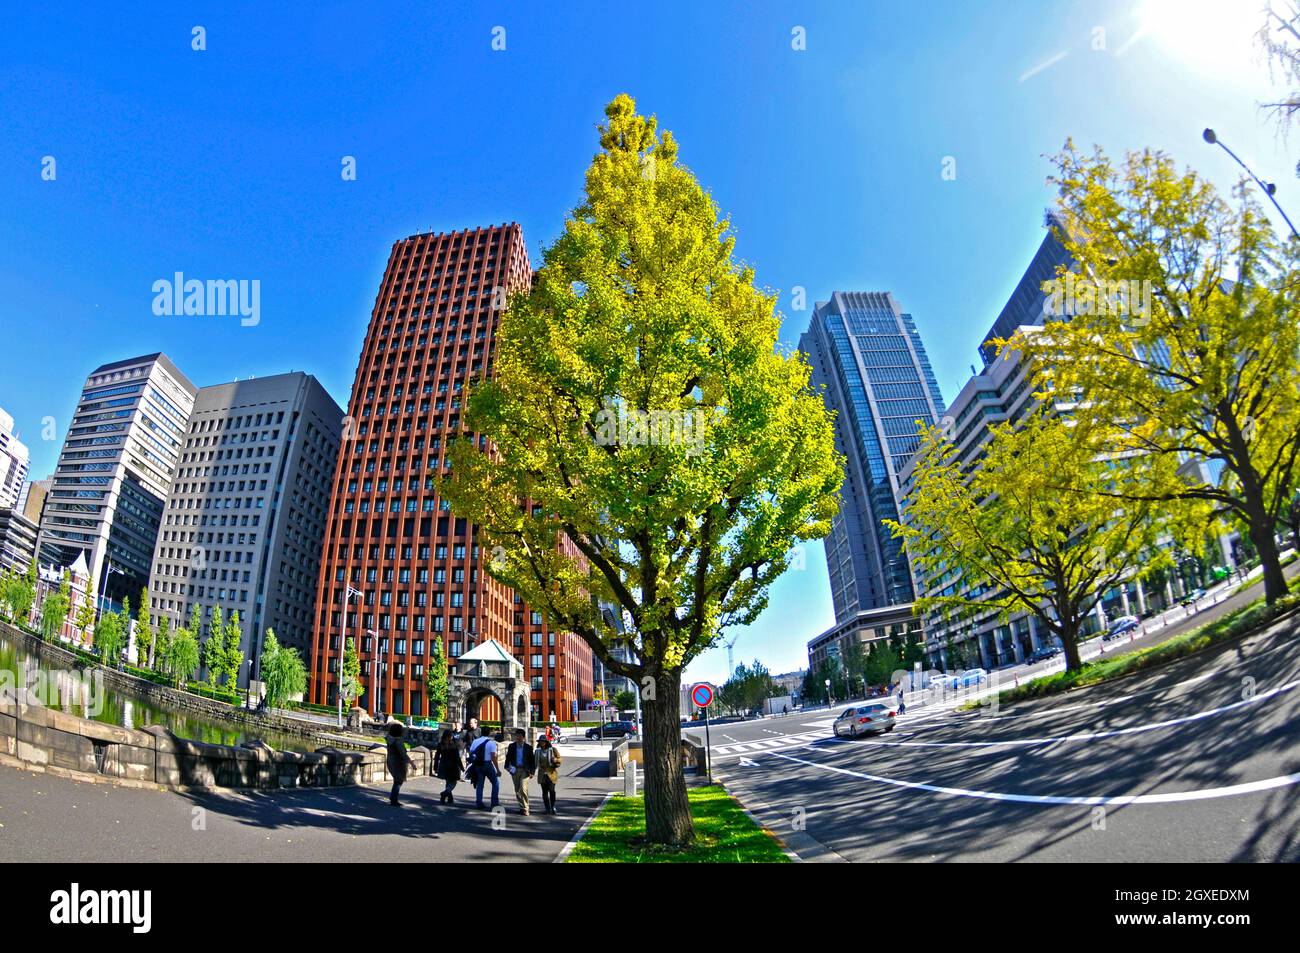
(48, 818)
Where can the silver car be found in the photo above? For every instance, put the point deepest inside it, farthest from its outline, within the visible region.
(867, 719)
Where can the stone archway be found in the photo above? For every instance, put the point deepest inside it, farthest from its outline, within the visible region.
(489, 670)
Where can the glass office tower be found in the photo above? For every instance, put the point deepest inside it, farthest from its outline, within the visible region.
(868, 359)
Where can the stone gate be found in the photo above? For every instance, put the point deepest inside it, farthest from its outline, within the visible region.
(488, 669)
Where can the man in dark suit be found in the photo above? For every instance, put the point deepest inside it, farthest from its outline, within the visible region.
(522, 765)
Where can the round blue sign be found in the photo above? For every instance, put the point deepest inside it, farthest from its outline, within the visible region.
(702, 695)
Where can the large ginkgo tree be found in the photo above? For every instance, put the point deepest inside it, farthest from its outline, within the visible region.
(647, 456)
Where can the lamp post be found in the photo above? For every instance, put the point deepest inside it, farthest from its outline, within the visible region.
(378, 670)
(109, 569)
(1210, 136)
(338, 691)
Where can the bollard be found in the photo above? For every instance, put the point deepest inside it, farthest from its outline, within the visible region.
(629, 779)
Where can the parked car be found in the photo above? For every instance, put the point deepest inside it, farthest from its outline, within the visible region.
(866, 720)
(612, 729)
(1043, 654)
(1193, 596)
(1121, 626)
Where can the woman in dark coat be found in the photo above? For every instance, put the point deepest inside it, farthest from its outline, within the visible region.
(397, 760)
(447, 764)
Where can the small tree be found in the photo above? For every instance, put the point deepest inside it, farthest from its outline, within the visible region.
(182, 655)
(624, 699)
(144, 632)
(1034, 526)
(232, 655)
(84, 618)
(214, 647)
(282, 671)
(350, 679)
(109, 638)
(54, 610)
(160, 644)
(435, 681)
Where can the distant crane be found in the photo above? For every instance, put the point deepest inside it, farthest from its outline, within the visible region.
(731, 665)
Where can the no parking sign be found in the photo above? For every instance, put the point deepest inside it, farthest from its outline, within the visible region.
(702, 695)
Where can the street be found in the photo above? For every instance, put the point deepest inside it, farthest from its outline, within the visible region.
(1193, 761)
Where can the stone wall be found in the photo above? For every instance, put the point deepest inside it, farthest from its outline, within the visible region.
(693, 755)
(47, 738)
(166, 696)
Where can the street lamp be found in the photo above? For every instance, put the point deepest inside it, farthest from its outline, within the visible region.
(1210, 136)
(109, 569)
(378, 669)
(829, 701)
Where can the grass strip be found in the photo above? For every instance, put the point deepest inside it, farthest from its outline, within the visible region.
(724, 834)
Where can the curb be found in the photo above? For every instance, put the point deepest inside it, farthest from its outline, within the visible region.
(567, 849)
(1260, 629)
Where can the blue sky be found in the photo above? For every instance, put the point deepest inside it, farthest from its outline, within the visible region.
(225, 163)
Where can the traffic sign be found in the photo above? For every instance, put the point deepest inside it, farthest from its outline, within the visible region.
(702, 695)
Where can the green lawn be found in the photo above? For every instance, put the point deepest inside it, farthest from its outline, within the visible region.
(1234, 625)
(724, 834)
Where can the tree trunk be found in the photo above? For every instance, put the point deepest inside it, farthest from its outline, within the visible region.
(1270, 560)
(1070, 645)
(667, 811)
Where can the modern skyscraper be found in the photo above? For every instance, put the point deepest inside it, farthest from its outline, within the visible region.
(115, 471)
(868, 356)
(1027, 305)
(13, 463)
(245, 517)
(399, 570)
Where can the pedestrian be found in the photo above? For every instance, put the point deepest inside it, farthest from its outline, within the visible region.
(902, 703)
(521, 762)
(397, 760)
(448, 765)
(548, 773)
(483, 762)
(467, 736)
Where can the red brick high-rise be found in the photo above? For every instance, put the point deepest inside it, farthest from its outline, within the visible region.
(420, 569)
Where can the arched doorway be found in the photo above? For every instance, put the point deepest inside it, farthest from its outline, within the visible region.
(481, 703)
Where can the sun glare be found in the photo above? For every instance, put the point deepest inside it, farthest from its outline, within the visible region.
(1210, 35)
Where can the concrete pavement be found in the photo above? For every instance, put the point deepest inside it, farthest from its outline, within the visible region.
(48, 818)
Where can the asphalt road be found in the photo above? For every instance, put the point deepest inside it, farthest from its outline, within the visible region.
(1198, 760)
(48, 818)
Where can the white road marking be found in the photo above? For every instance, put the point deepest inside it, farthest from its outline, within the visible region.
(1249, 787)
(334, 815)
(1094, 735)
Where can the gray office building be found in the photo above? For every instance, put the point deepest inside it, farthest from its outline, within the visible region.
(115, 471)
(867, 356)
(244, 521)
